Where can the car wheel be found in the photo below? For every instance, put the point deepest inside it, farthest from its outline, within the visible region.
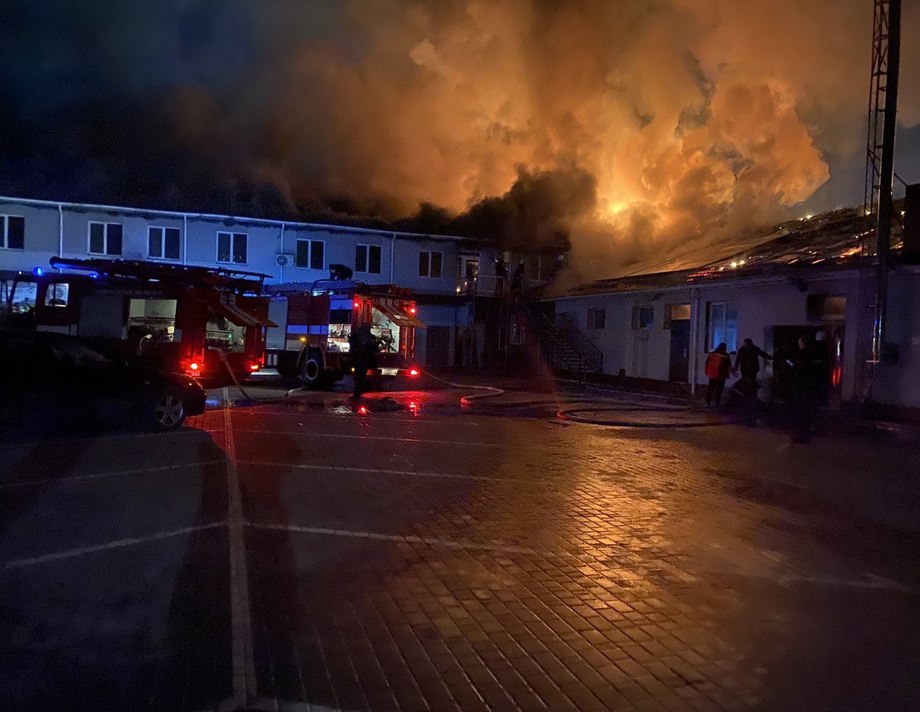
(313, 375)
(168, 411)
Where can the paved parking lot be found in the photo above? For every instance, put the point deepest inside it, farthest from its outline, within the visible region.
(297, 555)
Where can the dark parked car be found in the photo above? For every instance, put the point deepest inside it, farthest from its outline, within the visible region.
(51, 381)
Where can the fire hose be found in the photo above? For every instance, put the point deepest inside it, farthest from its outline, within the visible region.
(592, 415)
(488, 391)
(246, 394)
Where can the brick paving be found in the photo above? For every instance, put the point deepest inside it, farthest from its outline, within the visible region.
(458, 561)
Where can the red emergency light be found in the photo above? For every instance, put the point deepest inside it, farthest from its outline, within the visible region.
(357, 303)
(255, 366)
(193, 366)
(412, 310)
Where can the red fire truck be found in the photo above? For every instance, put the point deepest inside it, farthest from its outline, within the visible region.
(318, 319)
(202, 322)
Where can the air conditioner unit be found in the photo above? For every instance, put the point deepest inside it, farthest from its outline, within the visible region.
(283, 259)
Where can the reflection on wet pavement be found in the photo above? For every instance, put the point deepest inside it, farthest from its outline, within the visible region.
(421, 556)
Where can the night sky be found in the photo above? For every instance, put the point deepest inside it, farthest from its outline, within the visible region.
(635, 128)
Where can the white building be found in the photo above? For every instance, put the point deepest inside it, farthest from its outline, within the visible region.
(445, 273)
(808, 281)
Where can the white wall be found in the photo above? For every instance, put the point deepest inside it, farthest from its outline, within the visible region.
(643, 354)
(899, 383)
(48, 223)
(763, 304)
(41, 237)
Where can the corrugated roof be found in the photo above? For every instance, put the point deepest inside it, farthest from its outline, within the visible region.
(831, 240)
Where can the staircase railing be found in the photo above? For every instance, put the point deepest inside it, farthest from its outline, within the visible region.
(565, 339)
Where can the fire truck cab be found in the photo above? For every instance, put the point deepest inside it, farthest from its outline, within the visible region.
(318, 321)
(202, 322)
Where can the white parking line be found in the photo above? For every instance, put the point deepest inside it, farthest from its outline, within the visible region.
(103, 475)
(243, 656)
(399, 538)
(374, 470)
(870, 581)
(117, 544)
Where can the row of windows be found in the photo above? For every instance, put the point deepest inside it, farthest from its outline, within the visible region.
(232, 247)
(721, 320)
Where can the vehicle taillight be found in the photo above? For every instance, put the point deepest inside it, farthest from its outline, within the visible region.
(413, 371)
(412, 310)
(193, 366)
(255, 366)
(362, 410)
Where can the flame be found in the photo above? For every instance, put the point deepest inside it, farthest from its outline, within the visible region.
(688, 119)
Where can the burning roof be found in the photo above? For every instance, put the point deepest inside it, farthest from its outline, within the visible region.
(836, 239)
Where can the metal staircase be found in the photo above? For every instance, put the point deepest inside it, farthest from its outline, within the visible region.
(566, 348)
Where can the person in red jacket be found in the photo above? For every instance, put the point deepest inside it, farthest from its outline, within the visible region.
(718, 366)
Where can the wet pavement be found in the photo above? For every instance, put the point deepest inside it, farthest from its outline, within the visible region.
(428, 556)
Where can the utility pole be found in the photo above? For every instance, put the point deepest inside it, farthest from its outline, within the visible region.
(883, 106)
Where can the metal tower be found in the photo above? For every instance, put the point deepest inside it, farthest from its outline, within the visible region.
(883, 102)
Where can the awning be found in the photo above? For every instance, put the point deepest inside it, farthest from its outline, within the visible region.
(235, 315)
(400, 318)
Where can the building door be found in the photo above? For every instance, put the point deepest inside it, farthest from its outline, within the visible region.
(827, 342)
(680, 351)
(437, 352)
(640, 354)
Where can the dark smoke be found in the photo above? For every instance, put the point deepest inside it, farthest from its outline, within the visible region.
(640, 129)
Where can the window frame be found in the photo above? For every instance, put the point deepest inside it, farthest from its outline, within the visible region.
(55, 290)
(367, 258)
(105, 238)
(593, 313)
(233, 236)
(728, 307)
(310, 243)
(163, 229)
(5, 231)
(669, 313)
(429, 263)
(636, 317)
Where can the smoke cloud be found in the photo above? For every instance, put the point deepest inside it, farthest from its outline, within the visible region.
(647, 131)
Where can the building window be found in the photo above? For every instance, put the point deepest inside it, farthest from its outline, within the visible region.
(164, 242)
(535, 268)
(231, 247)
(723, 325)
(597, 318)
(12, 232)
(310, 254)
(429, 264)
(676, 312)
(643, 317)
(105, 238)
(367, 259)
(825, 307)
(467, 267)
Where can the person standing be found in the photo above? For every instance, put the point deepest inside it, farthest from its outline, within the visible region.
(517, 280)
(363, 346)
(747, 361)
(501, 274)
(718, 366)
(808, 385)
